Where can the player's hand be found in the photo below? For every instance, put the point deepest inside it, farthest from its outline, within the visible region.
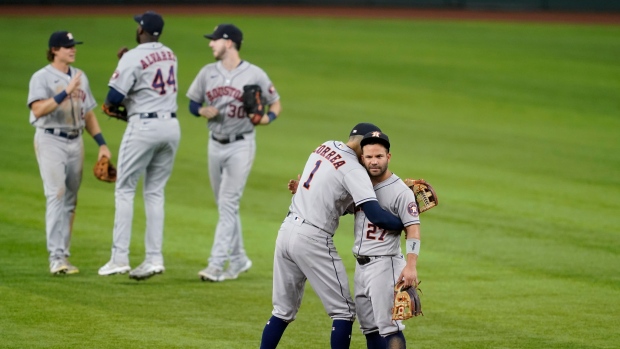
(208, 112)
(293, 184)
(104, 151)
(74, 83)
(409, 275)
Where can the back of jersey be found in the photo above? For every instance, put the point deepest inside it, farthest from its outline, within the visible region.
(332, 179)
(147, 76)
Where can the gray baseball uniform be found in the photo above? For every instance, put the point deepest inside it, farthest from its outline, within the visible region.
(376, 276)
(232, 148)
(147, 76)
(60, 151)
(332, 180)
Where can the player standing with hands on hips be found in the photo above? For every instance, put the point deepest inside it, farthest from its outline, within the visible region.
(217, 94)
(380, 263)
(333, 179)
(145, 81)
(61, 103)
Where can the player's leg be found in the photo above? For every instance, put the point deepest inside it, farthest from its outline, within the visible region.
(157, 173)
(323, 267)
(288, 288)
(219, 249)
(385, 271)
(51, 157)
(363, 306)
(242, 162)
(75, 163)
(133, 156)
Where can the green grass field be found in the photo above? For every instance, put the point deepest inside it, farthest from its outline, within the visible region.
(516, 125)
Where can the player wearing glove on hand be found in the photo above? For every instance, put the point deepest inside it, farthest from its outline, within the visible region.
(61, 104)
(380, 263)
(234, 96)
(145, 81)
(333, 179)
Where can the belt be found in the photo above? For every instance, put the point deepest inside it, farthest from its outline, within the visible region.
(365, 259)
(58, 132)
(232, 138)
(303, 221)
(157, 115)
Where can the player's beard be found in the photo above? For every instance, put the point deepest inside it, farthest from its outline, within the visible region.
(378, 171)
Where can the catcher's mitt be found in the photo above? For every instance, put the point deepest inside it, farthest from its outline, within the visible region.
(118, 112)
(104, 170)
(425, 195)
(254, 103)
(406, 302)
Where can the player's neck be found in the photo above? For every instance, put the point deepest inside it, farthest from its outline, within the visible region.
(61, 66)
(231, 61)
(376, 180)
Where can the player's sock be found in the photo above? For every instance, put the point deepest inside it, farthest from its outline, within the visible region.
(375, 341)
(273, 333)
(341, 334)
(396, 341)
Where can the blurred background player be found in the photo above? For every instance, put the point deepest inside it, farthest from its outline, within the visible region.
(232, 143)
(145, 81)
(61, 104)
(332, 180)
(380, 263)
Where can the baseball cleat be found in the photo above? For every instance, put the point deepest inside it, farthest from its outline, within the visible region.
(71, 269)
(146, 270)
(112, 268)
(211, 274)
(58, 266)
(233, 270)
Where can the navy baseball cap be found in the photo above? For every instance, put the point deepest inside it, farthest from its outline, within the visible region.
(376, 137)
(227, 31)
(363, 128)
(62, 39)
(151, 22)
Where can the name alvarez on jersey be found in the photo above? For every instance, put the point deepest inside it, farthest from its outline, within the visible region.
(328, 154)
(157, 56)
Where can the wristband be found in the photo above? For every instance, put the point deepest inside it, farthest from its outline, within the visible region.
(60, 97)
(272, 116)
(99, 139)
(413, 246)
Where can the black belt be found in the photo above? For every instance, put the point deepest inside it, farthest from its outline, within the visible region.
(365, 259)
(227, 140)
(156, 116)
(56, 132)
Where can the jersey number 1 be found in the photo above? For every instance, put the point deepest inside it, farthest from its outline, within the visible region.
(316, 167)
(159, 83)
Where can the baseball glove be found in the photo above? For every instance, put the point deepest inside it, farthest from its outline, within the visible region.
(406, 302)
(425, 195)
(118, 112)
(254, 103)
(121, 52)
(104, 170)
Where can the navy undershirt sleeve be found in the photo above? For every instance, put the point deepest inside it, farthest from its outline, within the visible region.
(114, 97)
(380, 217)
(194, 107)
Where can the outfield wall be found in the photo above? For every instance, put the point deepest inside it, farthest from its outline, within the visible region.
(500, 5)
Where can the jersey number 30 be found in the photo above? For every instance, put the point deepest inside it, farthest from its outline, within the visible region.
(160, 84)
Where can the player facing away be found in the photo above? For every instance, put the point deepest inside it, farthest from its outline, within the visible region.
(332, 180)
(61, 104)
(380, 263)
(145, 81)
(215, 94)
